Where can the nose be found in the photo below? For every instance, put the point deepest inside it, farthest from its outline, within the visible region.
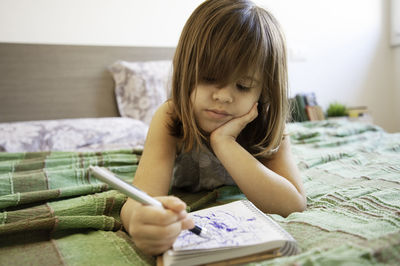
(223, 95)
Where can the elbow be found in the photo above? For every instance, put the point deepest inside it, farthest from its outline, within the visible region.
(302, 205)
(298, 205)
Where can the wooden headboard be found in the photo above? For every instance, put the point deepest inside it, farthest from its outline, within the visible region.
(41, 82)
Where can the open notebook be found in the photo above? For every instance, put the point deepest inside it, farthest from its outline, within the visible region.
(239, 229)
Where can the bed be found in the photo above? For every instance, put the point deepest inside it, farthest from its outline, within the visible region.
(63, 108)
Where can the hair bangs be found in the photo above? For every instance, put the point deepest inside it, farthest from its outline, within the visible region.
(234, 46)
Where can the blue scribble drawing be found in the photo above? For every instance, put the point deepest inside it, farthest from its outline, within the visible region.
(229, 227)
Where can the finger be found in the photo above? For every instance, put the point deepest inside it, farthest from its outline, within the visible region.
(247, 118)
(155, 215)
(187, 223)
(173, 203)
(153, 248)
(156, 233)
(253, 113)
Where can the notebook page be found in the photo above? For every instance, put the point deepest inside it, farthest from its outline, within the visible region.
(235, 224)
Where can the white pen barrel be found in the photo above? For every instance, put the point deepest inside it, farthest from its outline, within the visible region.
(124, 187)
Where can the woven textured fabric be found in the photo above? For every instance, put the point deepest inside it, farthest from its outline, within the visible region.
(53, 212)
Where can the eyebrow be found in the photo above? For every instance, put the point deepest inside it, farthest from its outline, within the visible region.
(251, 79)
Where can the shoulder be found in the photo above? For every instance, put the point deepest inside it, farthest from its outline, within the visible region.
(165, 110)
(163, 116)
(160, 126)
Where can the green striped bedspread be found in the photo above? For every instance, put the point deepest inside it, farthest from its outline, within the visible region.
(53, 212)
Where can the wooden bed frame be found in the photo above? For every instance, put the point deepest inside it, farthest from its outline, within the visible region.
(42, 82)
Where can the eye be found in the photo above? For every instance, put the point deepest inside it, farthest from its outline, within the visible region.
(209, 80)
(242, 87)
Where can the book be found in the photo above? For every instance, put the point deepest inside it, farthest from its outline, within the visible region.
(311, 113)
(294, 110)
(301, 105)
(315, 112)
(310, 99)
(239, 230)
(357, 111)
(319, 112)
(306, 108)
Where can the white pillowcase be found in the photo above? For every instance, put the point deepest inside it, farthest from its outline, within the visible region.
(141, 87)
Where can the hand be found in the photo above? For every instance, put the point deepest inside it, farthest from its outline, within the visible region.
(154, 229)
(232, 128)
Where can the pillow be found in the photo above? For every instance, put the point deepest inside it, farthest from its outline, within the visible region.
(140, 87)
(80, 134)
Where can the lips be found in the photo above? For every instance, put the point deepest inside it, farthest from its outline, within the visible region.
(217, 114)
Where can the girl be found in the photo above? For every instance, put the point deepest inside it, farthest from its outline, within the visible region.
(223, 125)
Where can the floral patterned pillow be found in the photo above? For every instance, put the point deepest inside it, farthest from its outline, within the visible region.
(81, 134)
(141, 87)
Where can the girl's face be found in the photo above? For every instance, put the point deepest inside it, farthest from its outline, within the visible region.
(214, 105)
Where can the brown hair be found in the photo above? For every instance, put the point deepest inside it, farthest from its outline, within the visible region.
(225, 39)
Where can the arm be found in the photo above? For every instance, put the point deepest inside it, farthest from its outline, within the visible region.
(273, 185)
(159, 150)
(155, 229)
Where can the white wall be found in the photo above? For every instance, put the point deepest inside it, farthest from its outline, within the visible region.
(338, 48)
(344, 53)
(94, 22)
(395, 40)
(396, 114)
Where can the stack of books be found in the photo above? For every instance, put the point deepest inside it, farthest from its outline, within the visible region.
(306, 108)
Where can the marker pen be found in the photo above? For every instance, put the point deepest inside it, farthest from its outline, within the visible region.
(136, 194)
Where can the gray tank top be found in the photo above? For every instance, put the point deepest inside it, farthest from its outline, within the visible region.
(199, 170)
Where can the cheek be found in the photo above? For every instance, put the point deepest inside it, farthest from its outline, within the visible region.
(192, 96)
(195, 96)
(192, 99)
(244, 108)
(247, 103)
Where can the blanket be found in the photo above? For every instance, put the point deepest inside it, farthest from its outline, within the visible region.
(54, 212)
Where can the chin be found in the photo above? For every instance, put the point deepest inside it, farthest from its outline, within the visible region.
(209, 129)
(209, 126)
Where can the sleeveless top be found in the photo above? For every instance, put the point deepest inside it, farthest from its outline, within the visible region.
(199, 170)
